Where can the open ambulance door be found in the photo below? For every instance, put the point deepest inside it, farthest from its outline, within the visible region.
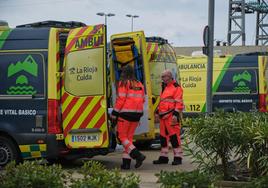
(84, 96)
(130, 48)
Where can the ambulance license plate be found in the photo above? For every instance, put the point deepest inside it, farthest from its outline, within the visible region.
(85, 138)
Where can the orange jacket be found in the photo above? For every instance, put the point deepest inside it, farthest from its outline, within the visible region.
(129, 101)
(171, 99)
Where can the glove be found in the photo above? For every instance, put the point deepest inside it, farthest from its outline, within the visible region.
(178, 116)
(113, 121)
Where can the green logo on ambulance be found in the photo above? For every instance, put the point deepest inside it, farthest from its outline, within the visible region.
(241, 82)
(22, 85)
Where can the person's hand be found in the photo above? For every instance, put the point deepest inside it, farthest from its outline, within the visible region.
(156, 118)
(113, 121)
(174, 120)
(113, 117)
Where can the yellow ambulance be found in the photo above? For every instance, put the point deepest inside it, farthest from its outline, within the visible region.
(53, 91)
(239, 82)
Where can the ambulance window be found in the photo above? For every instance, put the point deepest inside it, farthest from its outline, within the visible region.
(84, 72)
(239, 81)
(164, 54)
(156, 69)
(23, 74)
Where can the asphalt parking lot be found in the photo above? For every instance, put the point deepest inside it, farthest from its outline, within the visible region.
(148, 170)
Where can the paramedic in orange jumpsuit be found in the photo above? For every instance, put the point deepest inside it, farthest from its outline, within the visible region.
(127, 111)
(170, 114)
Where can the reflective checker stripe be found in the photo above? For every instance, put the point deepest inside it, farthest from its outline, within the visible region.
(33, 151)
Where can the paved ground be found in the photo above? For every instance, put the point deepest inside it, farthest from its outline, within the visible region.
(148, 170)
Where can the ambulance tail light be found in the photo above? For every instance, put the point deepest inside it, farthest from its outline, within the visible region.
(262, 103)
(54, 125)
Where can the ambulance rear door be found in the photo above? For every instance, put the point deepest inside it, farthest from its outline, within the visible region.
(84, 102)
(141, 68)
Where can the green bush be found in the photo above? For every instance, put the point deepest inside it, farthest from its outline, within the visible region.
(216, 140)
(253, 149)
(212, 139)
(31, 174)
(184, 179)
(260, 182)
(96, 176)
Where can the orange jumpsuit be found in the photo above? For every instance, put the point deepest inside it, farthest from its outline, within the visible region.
(129, 109)
(171, 104)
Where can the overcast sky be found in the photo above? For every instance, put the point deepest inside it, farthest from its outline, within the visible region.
(179, 21)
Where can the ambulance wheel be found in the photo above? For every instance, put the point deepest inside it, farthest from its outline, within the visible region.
(8, 151)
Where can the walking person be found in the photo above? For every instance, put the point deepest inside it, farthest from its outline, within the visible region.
(127, 111)
(170, 114)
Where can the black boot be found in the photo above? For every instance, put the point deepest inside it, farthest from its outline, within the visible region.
(138, 156)
(177, 161)
(126, 164)
(161, 160)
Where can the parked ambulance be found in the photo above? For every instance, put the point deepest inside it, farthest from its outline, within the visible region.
(53, 96)
(239, 82)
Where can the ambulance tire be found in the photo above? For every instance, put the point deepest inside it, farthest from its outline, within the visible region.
(8, 151)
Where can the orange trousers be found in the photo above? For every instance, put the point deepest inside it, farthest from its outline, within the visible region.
(126, 130)
(170, 132)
